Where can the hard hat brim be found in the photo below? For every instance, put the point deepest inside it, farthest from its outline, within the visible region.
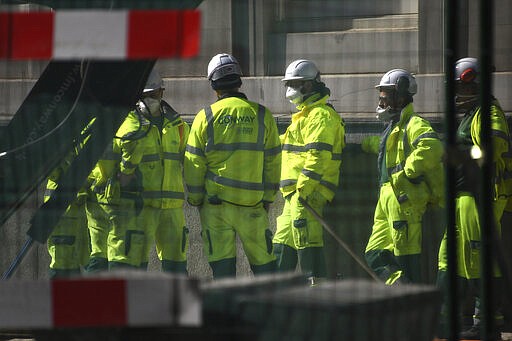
(301, 78)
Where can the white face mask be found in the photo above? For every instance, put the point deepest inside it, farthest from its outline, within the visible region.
(153, 105)
(294, 95)
(385, 114)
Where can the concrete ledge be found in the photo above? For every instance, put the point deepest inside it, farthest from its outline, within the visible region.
(354, 96)
(349, 93)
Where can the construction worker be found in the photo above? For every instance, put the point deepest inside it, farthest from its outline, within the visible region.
(410, 177)
(158, 158)
(68, 243)
(139, 188)
(116, 240)
(468, 224)
(232, 165)
(310, 170)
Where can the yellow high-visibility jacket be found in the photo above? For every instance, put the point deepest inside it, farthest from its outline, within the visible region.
(312, 147)
(501, 147)
(233, 153)
(414, 147)
(155, 155)
(103, 178)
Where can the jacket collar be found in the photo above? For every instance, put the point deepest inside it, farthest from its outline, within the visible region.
(312, 101)
(232, 94)
(406, 114)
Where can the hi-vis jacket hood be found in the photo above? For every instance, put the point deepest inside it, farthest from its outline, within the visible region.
(312, 147)
(233, 153)
(413, 146)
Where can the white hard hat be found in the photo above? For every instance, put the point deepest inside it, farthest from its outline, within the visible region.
(467, 70)
(222, 65)
(400, 80)
(154, 82)
(301, 69)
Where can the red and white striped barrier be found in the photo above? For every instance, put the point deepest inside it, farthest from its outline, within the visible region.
(100, 302)
(99, 34)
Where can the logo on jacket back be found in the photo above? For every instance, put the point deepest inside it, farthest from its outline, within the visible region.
(229, 119)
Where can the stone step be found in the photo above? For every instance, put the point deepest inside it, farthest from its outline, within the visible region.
(346, 8)
(327, 24)
(387, 22)
(350, 45)
(357, 50)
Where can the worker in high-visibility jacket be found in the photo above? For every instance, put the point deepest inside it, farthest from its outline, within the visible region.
(468, 188)
(116, 240)
(159, 160)
(153, 165)
(232, 165)
(68, 243)
(310, 170)
(141, 190)
(410, 177)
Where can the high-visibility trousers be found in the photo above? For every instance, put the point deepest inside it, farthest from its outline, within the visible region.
(394, 228)
(468, 236)
(296, 226)
(165, 228)
(222, 222)
(114, 232)
(68, 244)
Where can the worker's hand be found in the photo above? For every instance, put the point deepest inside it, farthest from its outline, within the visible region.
(410, 193)
(315, 199)
(307, 187)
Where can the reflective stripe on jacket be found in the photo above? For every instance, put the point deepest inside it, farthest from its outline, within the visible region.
(312, 147)
(233, 153)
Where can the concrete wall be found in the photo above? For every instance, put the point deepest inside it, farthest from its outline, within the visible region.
(502, 33)
(354, 96)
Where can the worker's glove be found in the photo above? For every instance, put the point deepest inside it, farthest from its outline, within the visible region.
(316, 199)
(370, 144)
(306, 188)
(412, 194)
(397, 278)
